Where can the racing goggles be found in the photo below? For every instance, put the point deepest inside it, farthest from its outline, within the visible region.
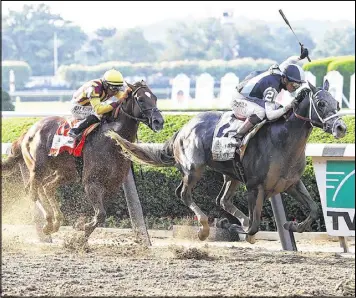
(116, 88)
(296, 85)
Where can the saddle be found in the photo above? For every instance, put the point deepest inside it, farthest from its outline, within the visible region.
(62, 142)
(225, 145)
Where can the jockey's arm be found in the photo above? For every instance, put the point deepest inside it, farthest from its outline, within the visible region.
(101, 108)
(290, 60)
(273, 109)
(122, 95)
(272, 112)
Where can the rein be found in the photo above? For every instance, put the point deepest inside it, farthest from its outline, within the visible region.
(134, 96)
(313, 122)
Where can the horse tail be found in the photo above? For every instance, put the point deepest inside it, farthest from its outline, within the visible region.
(15, 156)
(158, 154)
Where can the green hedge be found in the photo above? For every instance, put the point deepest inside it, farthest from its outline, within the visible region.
(346, 67)
(319, 68)
(156, 186)
(75, 74)
(22, 72)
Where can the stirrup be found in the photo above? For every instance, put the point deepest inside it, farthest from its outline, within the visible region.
(74, 135)
(239, 140)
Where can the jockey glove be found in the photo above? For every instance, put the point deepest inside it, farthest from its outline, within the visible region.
(303, 53)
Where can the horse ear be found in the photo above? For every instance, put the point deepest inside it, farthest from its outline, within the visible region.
(326, 85)
(312, 87)
(131, 86)
(143, 83)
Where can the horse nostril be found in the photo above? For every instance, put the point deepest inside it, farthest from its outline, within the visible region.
(156, 122)
(341, 128)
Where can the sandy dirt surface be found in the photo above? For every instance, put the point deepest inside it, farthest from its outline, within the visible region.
(115, 264)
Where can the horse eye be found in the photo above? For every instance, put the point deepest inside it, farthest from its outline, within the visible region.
(321, 104)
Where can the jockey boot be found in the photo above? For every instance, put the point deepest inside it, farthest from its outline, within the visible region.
(243, 129)
(82, 125)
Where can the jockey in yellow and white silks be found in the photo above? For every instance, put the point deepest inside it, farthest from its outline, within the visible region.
(88, 102)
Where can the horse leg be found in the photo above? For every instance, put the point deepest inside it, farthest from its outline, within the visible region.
(50, 189)
(300, 192)
(47, 211)
(38, 216)
(222, 190)
(255, 199)
(96, 193)
(230, 187)
(189, 181)
(179, 190)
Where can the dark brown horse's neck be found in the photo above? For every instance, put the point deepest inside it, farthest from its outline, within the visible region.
(126, 127)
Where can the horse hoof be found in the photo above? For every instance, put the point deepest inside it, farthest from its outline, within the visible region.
(223, 223)
(290, 226)
(47, 229)
(202, 236)
(251, 239)
(45, 239)
(234, 228)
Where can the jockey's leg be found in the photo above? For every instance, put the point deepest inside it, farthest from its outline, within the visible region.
(251, 111)
(82, 125)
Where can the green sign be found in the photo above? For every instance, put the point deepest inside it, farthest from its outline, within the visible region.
(340, 184)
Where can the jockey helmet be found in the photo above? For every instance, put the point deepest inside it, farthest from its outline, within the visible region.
(294, 73)
(113, 77)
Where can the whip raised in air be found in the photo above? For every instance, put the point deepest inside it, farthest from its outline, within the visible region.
(285, 19)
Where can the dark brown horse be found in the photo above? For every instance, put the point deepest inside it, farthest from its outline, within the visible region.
(274, 160)
(104, 168)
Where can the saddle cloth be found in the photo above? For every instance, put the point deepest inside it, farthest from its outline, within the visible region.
(224, 143)
(62, 142)
(224, 146)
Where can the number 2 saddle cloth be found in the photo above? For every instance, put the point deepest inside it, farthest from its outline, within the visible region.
(225, 146)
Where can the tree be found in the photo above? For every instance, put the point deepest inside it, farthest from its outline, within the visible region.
(130, 45)
(337, 42)
(195, 40)
(29, 37)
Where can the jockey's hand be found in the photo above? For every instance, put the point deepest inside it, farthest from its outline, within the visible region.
(290, 105)
(303, 53)
(302, 94)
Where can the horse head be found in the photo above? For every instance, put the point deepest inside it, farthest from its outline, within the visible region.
(320, 108)
(141, 105)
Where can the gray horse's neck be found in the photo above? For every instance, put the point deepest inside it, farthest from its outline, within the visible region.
(298, 132)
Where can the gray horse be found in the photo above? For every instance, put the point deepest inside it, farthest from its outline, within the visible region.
(273, 162)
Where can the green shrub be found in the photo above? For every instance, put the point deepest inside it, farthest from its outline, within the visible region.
(319, 68)
(22, 71)
(6, 104)
(156, 185)
(346, 67)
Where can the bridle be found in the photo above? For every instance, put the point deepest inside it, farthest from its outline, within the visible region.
(142, 111)
(323, 122)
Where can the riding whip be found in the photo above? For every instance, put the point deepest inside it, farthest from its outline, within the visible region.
(285, 19)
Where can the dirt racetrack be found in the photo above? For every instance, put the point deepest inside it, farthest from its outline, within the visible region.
(116, 265)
